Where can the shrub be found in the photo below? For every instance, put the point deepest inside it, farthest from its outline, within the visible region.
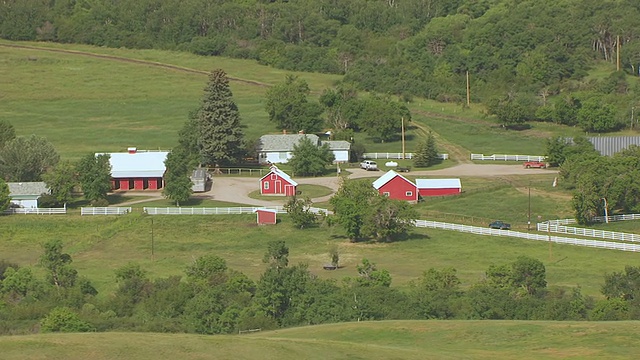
(62, 319)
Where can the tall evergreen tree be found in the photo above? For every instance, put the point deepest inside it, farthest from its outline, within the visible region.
(426, 153)
(220, 136)
(4, 195)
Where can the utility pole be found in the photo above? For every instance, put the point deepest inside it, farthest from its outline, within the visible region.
(153, 257)
(468, 91)
(403, 138)
(606, 212)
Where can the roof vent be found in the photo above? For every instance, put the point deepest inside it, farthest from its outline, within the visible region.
(132, 150)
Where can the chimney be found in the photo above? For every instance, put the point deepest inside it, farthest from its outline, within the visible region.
(284, 131)
(132, 150)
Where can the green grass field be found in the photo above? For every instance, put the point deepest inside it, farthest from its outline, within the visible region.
(101, 244)
(405, 340)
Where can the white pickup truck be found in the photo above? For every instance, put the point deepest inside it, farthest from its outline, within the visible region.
(369, 165)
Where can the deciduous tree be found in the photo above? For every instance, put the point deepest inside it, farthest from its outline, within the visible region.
(5, 200)
(277, 255)
(309, 159)
(298, 210)
(58, 265)
(7, 133)
(178, 185)
(351, 206)
(220, 133)
(94, 173)
(61, 180)
(388, 219)
(289, 108)
(27, 158)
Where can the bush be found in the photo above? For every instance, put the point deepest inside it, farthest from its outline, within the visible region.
(100, 203)
(62, 319)
(48, 201)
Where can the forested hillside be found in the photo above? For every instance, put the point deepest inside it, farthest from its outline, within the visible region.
(518, 53)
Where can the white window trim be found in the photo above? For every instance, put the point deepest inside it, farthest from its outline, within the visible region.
(409, 193)
(266, 185)
(386, 193)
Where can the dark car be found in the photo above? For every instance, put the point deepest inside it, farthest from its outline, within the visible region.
(500, 225)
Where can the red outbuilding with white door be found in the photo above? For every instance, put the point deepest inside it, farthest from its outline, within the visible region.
(438, 187)
(277, 182)
(396, 186)
(266, 216)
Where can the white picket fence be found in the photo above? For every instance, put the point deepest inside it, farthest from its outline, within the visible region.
(220, 210)
(611, 218)
(36, 211)
(105, 210)
(396, 156)
(501, 157)
(602, 234)
(555, 239)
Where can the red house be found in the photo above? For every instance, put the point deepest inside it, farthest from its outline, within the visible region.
(438, 187)
(276, 182)
(396, 186)
(266, 216)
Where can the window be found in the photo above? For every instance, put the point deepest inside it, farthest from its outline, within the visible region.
(266, 185)
(409, 193)
(386, 193)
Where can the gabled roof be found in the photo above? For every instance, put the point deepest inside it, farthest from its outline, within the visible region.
(337, 144)
(27, 188)
(390, 175)
(438, 183)
(139, 164)
(284, 142)
(282, 174)
(274, 211)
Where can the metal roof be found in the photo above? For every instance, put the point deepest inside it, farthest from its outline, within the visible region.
(27, 188)
(438, 183)
(284, 142)
(274, 211)
(338, 144)
(388, 177)
(282, 174)
(139, 164)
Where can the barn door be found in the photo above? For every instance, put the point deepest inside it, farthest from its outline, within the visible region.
(289, 190)
(278, 189)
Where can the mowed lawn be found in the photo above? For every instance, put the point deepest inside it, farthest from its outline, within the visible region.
(101, 244)
(405, 340)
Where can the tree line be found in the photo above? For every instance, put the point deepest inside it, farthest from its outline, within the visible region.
(600, 184)
(211, 298)
(518, 54)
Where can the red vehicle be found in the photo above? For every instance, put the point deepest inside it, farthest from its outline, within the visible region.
(534, 164)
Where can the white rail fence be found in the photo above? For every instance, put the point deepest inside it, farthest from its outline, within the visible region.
(105, 210)
(396, 156)
(36, 211)
(602, 234)
(219, 210)
(500, 157)
(611, 218)
(555, 239)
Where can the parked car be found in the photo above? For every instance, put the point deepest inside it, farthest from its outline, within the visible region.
(403, 169)
(534, 164)
(500, 225)
(369, 165)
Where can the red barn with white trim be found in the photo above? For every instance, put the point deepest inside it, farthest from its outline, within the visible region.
(137, 169)
(396, 186)
(277, 182)
(438, 187)
(266, 216)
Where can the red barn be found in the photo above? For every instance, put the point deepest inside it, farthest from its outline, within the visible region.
(137, 169)
(266, 216)
(396, 186)
(438, 187)
(276, 182)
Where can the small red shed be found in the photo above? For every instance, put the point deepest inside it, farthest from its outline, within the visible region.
(277, 182)
(438, 187)
(396, 186)
(266, 216)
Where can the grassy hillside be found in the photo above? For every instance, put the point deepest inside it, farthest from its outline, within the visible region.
(367, 340)
(87, 99)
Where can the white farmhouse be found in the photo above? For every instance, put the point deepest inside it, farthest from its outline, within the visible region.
(278, 149)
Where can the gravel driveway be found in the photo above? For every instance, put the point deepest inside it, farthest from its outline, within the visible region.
(237, 189)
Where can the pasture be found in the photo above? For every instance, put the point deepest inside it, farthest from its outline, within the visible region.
(365, 340)
(101, 244)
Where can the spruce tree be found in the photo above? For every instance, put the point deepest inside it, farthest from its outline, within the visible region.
(220, 138)
(431, 150)
(177, 184)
